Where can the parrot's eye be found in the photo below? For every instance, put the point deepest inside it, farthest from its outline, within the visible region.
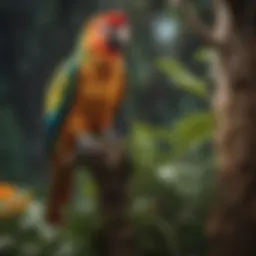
(106, 30)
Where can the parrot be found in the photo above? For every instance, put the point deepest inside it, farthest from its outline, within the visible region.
(82, 100)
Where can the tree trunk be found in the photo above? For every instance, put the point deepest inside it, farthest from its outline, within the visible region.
(231, 225)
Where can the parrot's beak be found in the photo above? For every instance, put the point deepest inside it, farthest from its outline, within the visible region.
(120, 38)
(124, 34)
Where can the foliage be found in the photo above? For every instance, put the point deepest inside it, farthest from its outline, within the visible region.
(182, 78)
(10, 145)
(191, 132)
(196, 128)
(170, 202)
(159, 218)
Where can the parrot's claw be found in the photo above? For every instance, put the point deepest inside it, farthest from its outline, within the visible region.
(86, 144)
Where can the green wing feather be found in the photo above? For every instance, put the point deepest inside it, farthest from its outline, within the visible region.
(59, 99)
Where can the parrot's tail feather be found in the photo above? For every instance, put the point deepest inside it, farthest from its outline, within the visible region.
(60, 195)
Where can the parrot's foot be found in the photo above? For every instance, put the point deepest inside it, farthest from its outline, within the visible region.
(86, 143)
(106, 148)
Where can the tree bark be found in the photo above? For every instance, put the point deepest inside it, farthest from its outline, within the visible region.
(231, 225)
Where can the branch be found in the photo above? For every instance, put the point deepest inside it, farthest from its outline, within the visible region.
(193, 20)
(223, 20)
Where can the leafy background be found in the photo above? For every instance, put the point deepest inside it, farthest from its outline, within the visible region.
(168, 114)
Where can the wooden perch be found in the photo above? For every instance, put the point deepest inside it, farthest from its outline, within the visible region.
(111, 169)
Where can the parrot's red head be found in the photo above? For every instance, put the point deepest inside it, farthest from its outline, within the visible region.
(107, 34)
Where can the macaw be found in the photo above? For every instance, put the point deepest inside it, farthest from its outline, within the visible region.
(82, 100)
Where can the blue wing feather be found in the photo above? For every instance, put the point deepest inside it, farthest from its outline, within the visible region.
(59, 99)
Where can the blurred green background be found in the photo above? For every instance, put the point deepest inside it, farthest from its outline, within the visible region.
(168, 115)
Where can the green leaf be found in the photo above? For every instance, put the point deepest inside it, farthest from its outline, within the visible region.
(203, 55)
(89, 188)
(182, 77)
(142, 142)
(192, 130)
